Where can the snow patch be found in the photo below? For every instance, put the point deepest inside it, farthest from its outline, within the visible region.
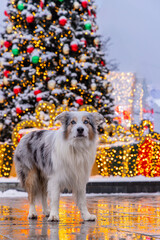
(12, 193)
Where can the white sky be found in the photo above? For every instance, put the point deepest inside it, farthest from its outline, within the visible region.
(135, 36)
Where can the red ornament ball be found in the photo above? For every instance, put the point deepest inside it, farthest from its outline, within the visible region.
(79, 101)
(62, 21)
(18, 110)
(84, 4)
(74, 46)
(17, 89)
(30, 49)
(7, 44)
(30, 19)
(6, 73)
(36, 92)
(38, 98)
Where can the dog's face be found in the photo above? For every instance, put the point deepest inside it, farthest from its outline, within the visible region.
(80, 125)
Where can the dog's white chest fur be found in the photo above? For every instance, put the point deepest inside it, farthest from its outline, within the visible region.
(72, 162)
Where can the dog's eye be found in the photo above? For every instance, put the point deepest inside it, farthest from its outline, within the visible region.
(85, 122)
(73, 122)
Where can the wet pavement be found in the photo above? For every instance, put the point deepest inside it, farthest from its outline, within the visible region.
(118, 218)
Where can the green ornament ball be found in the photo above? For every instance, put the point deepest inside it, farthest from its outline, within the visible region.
(60, 0)
(15, 51)
(87, 26)
(20, 6)
(35, 59)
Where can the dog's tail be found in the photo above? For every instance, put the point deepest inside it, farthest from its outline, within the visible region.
(21, 169)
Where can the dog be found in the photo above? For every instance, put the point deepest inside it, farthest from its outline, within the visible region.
(47, 162)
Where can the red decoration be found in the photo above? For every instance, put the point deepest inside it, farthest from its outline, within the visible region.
(6, 73)
(83, 40)
(126, 115)
(18, 110)
(17, 89)
(6, 14)
(30, 49)
(79, 101)
(37, 91)
(38, 98)
(84, 4)
(89, 12)
(74, 46)
(103, 63)
(19, 137)
(7, 44)
(30, 19)
(41, 4)
(62, 21)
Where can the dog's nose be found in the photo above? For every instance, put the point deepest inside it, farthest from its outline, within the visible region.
(80, 130)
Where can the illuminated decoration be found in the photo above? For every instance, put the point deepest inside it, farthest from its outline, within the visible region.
(49, 16)
(87, 25)
(93, 86)
(5, 81)
(6, 159)
(96, 41)
(62, 21)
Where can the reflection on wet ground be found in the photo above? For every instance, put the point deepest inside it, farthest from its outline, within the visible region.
(118, 218)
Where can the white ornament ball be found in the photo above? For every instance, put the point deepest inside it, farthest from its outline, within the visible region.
(9, 28)
(51, 84)
(65, 102)
(1, 126)
(96, 41)
(66, 49)
(5, 81)
(93, 86)
(74, 83)
(1, 99)
(83, 58)
(76, 5)
(49, 16)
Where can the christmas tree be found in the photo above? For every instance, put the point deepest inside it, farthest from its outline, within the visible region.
(50, 51)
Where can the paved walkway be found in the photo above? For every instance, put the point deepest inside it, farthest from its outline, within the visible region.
(118, 218)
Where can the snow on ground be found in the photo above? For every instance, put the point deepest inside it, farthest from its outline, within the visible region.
(99, 178)
(13, 193)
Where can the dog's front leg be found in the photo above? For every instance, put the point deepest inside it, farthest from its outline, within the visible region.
(81, 202)
(54, 192)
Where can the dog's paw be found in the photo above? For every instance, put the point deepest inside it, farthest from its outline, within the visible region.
(53, 218)
(46, 213)
(32, 216)
(90, 217)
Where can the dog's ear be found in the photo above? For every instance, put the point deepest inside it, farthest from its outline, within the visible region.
(62, 117)
(98, 118)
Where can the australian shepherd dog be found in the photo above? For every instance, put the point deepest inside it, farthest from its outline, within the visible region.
(47, 162)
